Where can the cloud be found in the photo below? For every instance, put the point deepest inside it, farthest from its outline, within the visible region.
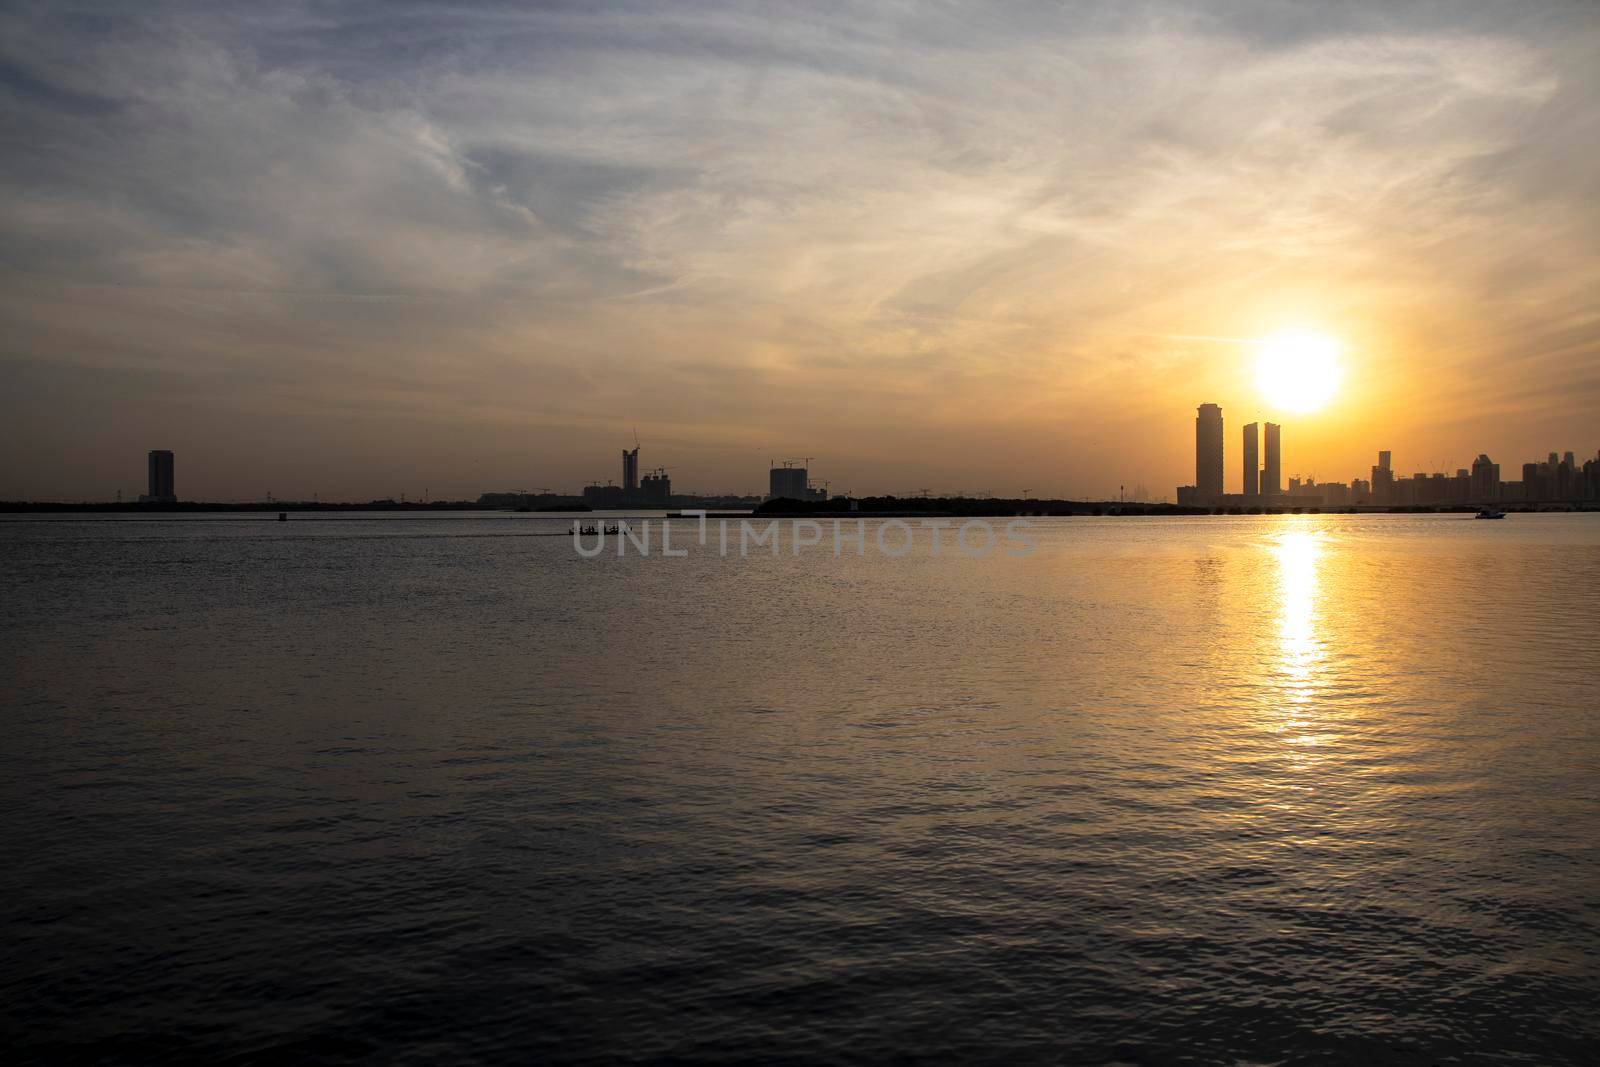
(730, 224)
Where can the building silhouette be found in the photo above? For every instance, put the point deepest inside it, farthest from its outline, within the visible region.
(1252, 461)
(1559, 481)
(657, 488)
(630, 472)
(789, 482)
(162, 488)
(604, 496)
(1485, 479)
(1383, 479)
(1559, 478)
(1208, 454)
(1272, 470)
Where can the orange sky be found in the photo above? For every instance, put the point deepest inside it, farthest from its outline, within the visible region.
(394, 250)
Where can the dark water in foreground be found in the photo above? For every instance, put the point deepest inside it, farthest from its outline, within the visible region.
(433, 790)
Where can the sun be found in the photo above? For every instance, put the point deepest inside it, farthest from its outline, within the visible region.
(1298, 371)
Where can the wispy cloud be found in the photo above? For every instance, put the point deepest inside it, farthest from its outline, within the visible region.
(873, 222)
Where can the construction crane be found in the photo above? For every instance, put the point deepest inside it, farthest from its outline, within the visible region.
(1025, 493)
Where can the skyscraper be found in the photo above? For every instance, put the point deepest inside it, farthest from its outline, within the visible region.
(1252, 461)
(1208, 454)
(1271, 473)
(1485, 479)
(161, 483)
(1383, 479)
(630, 472)
(1533, 481)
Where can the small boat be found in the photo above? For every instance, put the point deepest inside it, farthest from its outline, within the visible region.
(1489, 513)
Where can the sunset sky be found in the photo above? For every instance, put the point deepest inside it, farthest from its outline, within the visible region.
(370, 248)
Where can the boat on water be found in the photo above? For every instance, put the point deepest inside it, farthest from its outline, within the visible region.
(1489, 513)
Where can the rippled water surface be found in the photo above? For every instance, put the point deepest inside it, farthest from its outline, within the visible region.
(438, 790)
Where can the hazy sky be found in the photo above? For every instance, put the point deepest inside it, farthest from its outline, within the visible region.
(367, 248)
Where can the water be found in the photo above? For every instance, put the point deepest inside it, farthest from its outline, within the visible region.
(436, 790)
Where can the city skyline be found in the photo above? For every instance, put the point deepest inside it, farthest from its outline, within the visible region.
(943, 245)
(209, 480)
(1563, 476)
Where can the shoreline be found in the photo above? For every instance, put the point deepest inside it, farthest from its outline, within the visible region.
(953, 510)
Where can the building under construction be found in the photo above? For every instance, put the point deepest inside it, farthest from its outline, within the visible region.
(653, 490)
(630, 471)
(789, 482)
(656, 488)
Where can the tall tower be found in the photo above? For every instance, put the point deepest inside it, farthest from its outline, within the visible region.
(1252, 462)
(630, 472)
(1485, 479)
(161, 484)
(1383, 478)
(1208, 454)
(1271, 474)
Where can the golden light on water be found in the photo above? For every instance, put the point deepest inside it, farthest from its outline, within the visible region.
(1297, 553)
(1298, 372)
(1300, 651)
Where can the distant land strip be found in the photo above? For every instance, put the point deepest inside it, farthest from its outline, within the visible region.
(874, 507)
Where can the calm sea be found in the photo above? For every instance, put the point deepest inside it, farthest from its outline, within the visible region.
(438, 790)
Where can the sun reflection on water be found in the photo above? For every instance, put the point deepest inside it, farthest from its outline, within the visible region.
(1300, 650)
